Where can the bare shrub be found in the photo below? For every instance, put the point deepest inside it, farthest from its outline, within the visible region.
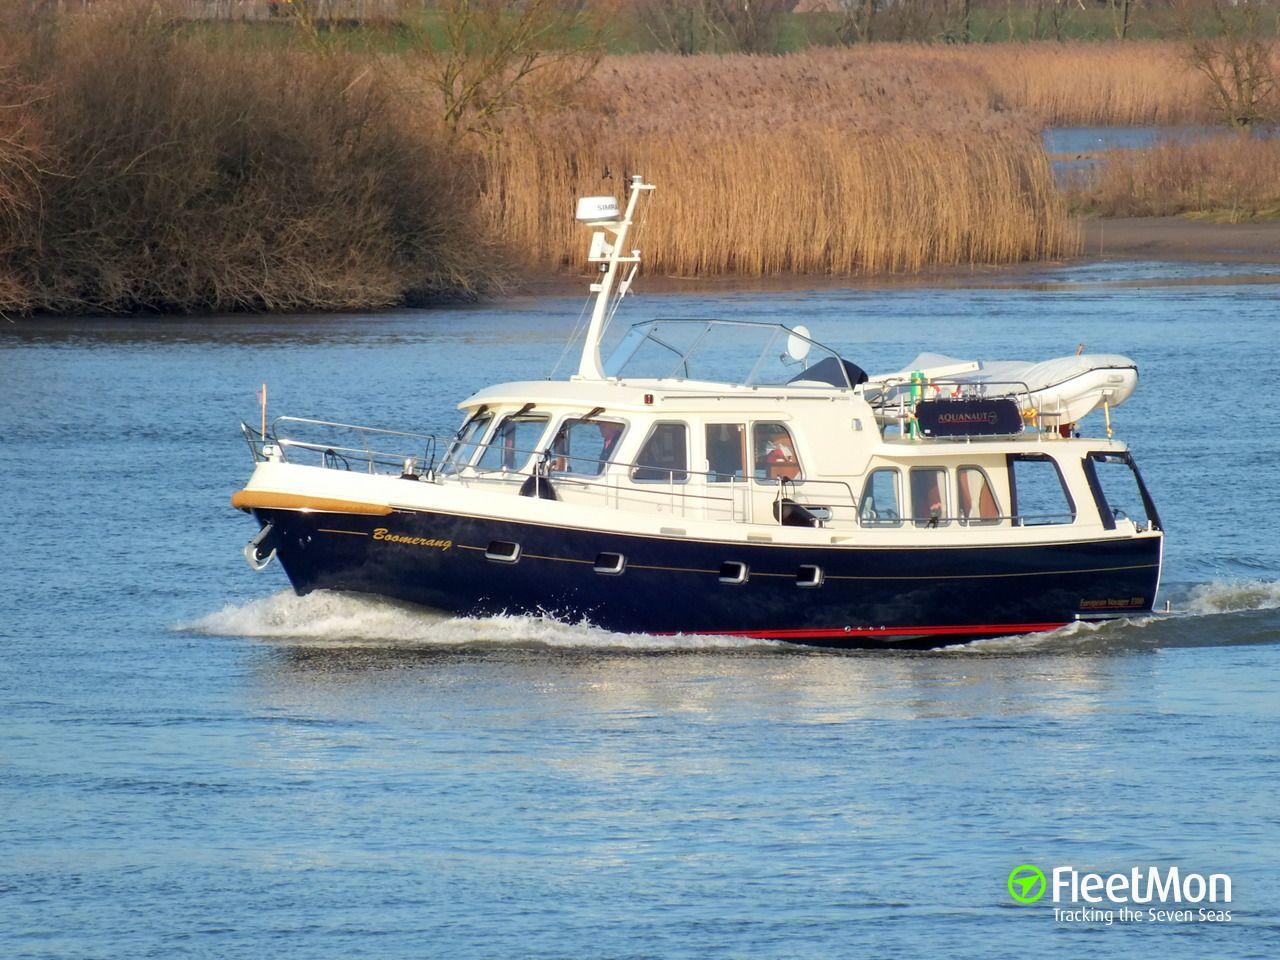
(1232, 45)
(182, 177)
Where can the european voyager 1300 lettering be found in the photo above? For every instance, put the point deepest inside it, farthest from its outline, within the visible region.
(731, 477)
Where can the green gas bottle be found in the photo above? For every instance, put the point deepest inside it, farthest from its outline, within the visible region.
(918, 382)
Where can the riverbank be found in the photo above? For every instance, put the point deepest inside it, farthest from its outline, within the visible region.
(1144, 239)
(205, 177)
(1180, 238)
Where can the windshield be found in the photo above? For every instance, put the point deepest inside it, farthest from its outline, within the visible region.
(728, 351)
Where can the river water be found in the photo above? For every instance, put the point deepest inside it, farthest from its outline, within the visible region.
(195, 763)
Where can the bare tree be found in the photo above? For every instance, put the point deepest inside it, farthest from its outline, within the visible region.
(677, 26)
(857, 23)
(489, 49)
(957, 21)
(1122, 16)
(1232, 44)
(748, 26)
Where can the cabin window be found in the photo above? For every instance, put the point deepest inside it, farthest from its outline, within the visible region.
(929, 496)
(585, 447)
(664, 458)
(726, 452)
(1037, 491)
(879, 504)
(463, 448)
(513, 443)
(775, 453)
(977, 501)
(1119, 491)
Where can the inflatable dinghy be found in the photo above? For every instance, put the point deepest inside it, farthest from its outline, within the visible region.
(1062, 391)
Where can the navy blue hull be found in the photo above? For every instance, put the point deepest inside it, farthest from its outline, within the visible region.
(868, 597)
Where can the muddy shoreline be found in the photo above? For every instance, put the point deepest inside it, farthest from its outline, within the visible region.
(1132, 238)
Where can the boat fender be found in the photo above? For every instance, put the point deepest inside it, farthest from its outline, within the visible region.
(790, 514)
(540, 487)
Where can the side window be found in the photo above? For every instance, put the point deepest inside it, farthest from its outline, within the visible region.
(463, 448)
(664, 458)
(775, 453)
(929, 496)
(879, 504)
(726, 452)
(977, 501)
(1039, 494)
(513, 443)
(585, 447)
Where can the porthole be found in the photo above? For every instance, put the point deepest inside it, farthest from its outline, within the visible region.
(502, 551)
(809, 575)
(733, 571)
(610, 563)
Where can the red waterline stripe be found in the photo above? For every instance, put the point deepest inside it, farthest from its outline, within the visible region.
(959, 630)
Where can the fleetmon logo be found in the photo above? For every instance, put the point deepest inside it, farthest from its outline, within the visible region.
(1027, 883)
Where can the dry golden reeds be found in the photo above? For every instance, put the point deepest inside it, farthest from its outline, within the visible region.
(808, 164)
(1230, 178)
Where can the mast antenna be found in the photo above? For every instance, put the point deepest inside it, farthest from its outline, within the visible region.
(608, 252)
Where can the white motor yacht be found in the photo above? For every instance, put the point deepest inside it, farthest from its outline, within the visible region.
(729, 477)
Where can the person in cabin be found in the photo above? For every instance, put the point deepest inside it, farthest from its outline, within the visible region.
(777, 460)
(610, 434)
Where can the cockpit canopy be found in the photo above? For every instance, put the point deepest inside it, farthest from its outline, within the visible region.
(741, 352)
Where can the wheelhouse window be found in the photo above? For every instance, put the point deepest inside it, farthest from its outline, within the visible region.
(879, 504)
(585, 447)
(463, 448)
(1119, 491)
(664, 458)
(929, 496)
(976, 501)
(513, 443)
(775, 453)
(1038, 493)
(726, 452)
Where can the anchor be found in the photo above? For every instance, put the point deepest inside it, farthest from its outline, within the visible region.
(261, 550)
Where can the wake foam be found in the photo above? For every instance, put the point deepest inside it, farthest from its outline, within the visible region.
(1203, 616)
(327, 618)
(1235, 596)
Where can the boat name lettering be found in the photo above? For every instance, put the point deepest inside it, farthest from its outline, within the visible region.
(1113, 603)
(987, 416)
(382, 533)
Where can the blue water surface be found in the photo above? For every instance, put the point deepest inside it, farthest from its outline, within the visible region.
(195, 763)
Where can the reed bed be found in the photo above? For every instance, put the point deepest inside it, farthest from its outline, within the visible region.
(1092, 84)
(813, 164)
(1228, 178)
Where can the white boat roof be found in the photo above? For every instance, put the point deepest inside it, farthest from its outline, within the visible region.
(619, 394)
